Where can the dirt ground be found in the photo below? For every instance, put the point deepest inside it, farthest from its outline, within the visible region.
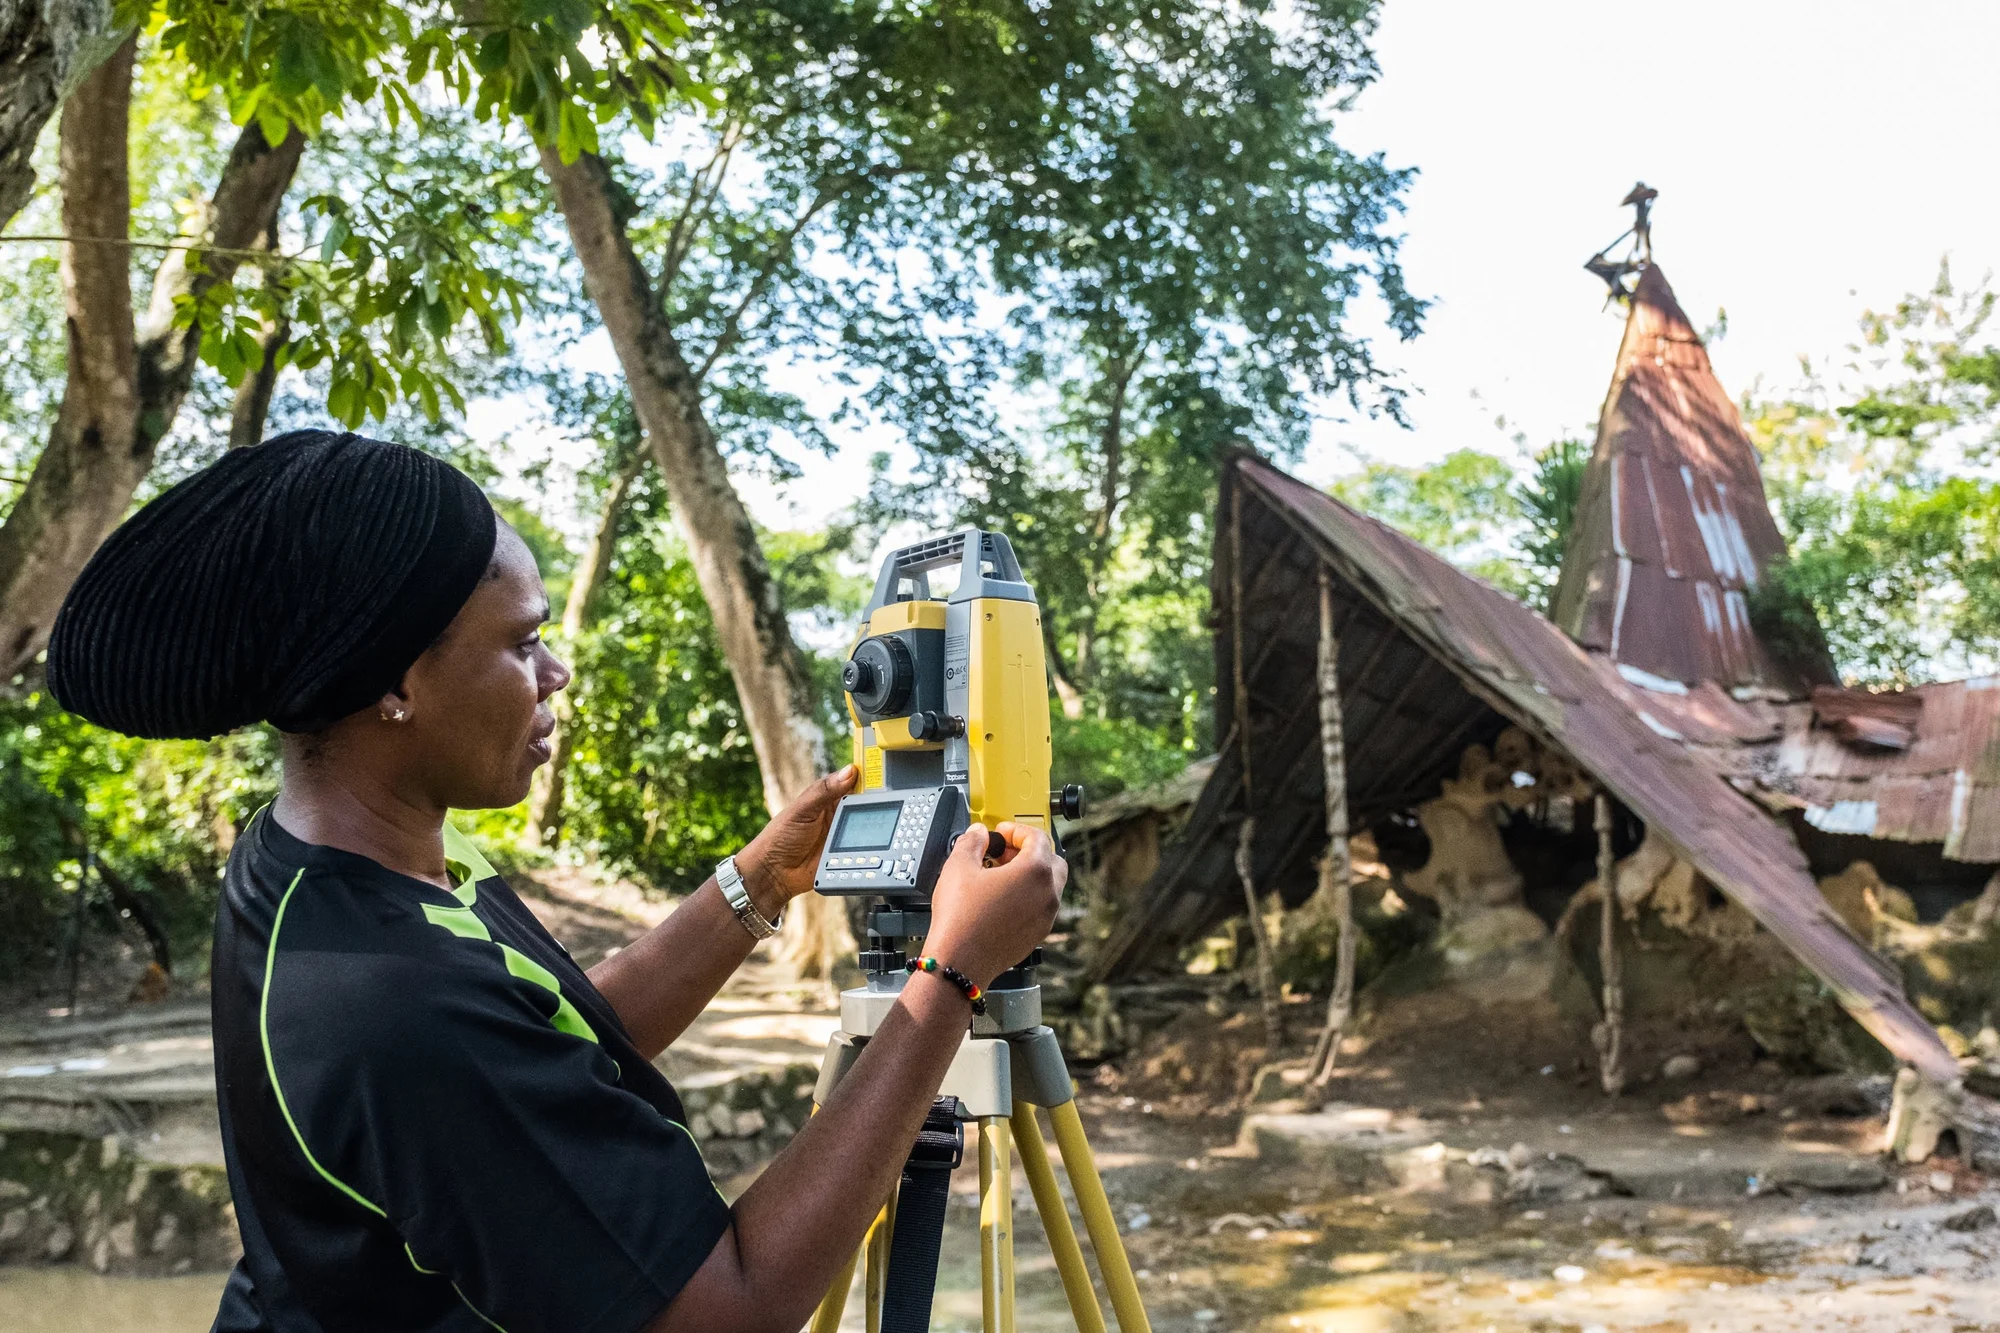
(1233, 1241)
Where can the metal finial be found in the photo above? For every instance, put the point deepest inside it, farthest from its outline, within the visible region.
(1615, 272)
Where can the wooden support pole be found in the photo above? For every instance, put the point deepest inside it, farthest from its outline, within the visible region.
(1246, 832)
(1609, 1035)
(1336, 868)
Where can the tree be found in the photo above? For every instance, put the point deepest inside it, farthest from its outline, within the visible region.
(605, 414)
(47, 48)
(1465, 507)
(1547, 499)
(390, 278)
(1180, 264)
(1882, 479)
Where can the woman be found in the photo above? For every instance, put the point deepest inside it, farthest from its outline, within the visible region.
(432, 1117)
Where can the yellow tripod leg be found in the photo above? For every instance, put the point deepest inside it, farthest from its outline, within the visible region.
(826, 1319)
(996, 1226)
(1097, 1219)
(877, 1248)
(1055, 1221)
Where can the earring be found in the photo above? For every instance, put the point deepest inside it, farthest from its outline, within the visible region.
(394, 715)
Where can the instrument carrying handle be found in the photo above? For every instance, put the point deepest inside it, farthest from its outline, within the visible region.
(981, 557)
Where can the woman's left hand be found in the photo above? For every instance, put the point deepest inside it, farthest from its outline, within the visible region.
(777, 865)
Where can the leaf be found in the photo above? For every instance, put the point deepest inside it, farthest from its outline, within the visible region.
(275, 124)
(343, 402)
(493, 53)
(292, 67)
(336, 236)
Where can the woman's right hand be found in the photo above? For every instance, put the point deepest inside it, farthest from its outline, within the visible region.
(985, 919)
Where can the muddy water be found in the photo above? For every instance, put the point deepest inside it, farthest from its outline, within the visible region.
(76, 1300)
(1225, 1248)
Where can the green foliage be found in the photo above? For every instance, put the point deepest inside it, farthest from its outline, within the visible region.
(1463, 507)
(662, 782)
(161, 813)
(1547, 499)
(298, 62)
(1505, 525)
(423, 243)
(1882, 480)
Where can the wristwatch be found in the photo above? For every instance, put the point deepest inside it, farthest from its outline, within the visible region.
(731, 883)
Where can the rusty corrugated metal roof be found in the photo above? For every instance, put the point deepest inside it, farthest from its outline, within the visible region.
(1672, 530)
(1513, 664)
(1943, 787)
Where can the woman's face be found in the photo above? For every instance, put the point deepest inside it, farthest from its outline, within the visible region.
(477, 702)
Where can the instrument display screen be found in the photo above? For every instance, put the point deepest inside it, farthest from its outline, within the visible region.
(866, 828)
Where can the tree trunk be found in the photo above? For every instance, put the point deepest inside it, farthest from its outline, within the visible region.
(1067, 693)
(545, 799)
(86, 473)
(1111, 443)
(47, 48)
(772, 684)
(99, 453)
(250, 409)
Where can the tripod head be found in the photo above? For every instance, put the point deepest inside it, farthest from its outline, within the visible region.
(1013, 1001)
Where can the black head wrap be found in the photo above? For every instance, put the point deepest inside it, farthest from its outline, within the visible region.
(292, 582)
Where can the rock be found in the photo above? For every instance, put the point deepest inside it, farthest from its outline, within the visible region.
(1569, 1273)
(13, 1226)
(1558, 1177)
(1681, 1066)
(59, 1243)
(1941, 1182)
(1972, 1219)
(749, 1123)
(164, 1234)
(124, 1239)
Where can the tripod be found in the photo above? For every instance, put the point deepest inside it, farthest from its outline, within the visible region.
(1008, 1065)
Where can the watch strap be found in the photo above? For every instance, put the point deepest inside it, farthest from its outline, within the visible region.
(730, 881)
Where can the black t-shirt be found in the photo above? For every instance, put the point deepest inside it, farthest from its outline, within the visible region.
(431, 1118)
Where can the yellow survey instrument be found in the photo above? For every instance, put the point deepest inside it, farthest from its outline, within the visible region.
(948, 693)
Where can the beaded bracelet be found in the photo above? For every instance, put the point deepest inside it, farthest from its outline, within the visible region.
(954, 976)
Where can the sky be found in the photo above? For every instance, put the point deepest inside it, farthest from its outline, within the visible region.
(1813, 157)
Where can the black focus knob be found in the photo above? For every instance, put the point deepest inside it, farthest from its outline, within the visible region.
(1067, 803)
(856, 677)
(928, 726)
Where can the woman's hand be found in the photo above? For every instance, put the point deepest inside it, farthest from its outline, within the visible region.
(777, 865)
(985, 919)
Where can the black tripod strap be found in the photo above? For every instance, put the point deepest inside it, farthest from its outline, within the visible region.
(918, 1239)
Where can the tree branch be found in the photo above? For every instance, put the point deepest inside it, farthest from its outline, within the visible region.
(243, 209)
(125, 386)
(702, 195)
(732, 326)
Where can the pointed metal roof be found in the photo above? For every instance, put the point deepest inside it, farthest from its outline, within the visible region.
(1673, 531)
